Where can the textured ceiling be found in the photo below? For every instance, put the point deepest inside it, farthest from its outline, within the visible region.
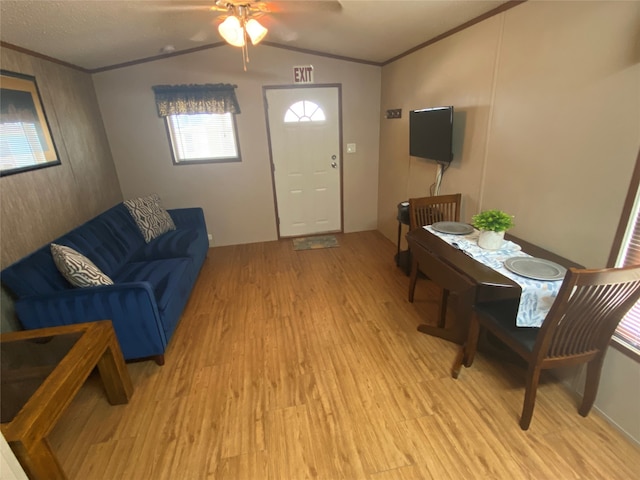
(94, 34)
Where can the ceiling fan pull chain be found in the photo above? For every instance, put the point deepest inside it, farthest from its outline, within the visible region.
(245, 49)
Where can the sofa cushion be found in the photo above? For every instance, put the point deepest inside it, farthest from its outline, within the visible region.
(35, 274)
(76, 268)
(152, 219)
(164, 276)
(185, 242)
(108, 239)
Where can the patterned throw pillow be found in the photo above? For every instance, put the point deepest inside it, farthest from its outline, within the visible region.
(152, 219)
(76, 268)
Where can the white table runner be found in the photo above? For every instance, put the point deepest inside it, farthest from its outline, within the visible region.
(537, 295)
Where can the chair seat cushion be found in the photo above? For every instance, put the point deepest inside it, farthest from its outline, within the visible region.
(500, 317)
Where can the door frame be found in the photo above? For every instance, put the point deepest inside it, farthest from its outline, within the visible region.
(265, 89)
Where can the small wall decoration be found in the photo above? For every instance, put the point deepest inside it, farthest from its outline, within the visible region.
(394, 113)
(25, 136)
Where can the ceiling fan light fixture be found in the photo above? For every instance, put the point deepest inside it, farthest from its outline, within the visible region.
(232, 31)
(255, 30)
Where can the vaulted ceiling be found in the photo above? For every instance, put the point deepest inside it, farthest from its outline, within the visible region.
(98, 34)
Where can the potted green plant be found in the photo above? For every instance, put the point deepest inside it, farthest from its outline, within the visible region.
(492, 225)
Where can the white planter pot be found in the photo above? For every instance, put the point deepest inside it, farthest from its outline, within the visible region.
(490, 240)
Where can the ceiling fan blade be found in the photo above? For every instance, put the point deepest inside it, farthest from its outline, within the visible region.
(279, 29)
(165, 7)
(305, 6)
(184, 6)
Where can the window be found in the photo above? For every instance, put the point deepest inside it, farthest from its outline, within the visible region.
(626, 251)
(304, 111)
(203, 137)
(201, 122)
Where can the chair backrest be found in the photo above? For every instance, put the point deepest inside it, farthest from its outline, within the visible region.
(428, 210)
(587, 310)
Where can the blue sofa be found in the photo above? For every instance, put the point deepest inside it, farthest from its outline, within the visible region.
(152, 282)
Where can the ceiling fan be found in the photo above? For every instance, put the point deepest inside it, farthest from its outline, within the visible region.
(239, 23)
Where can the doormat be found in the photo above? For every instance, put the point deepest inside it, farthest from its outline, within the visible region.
(313, 243)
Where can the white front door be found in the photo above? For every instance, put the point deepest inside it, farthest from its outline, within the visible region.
(304, 126)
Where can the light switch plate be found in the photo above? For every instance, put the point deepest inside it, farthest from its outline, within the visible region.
(351, 148)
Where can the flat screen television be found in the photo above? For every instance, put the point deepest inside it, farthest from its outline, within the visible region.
(431, 133)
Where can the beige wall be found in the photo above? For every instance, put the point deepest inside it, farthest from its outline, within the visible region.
(40, 205)
(237, 198)
(457, 71)
(548, 95)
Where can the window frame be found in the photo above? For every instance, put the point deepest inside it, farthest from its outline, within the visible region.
(237, 158)
(618, 243)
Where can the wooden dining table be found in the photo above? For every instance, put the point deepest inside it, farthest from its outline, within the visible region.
(470, 281)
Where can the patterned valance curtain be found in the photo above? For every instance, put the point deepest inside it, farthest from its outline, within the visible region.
(191, 99)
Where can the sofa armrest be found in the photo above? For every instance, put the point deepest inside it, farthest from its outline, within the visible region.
(131, 307)
(188, 218)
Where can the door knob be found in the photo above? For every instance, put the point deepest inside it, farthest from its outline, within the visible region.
(334, 165)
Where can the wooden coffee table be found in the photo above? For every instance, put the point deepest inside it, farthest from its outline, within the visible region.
(42, 370)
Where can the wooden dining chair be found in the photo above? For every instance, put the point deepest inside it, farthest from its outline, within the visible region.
(577, 329)
(427, 211)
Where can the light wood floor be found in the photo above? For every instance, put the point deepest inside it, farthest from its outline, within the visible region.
(295, 365)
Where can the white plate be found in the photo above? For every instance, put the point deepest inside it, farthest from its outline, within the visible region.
(536, 268)
(454, 228)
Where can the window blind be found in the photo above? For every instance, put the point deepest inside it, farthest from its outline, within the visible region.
(628, 330)
(203, 137)
(19, 145)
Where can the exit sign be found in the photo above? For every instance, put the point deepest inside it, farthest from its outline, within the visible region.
(303, 74)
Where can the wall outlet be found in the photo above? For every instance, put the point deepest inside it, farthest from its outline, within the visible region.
(210, 238)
